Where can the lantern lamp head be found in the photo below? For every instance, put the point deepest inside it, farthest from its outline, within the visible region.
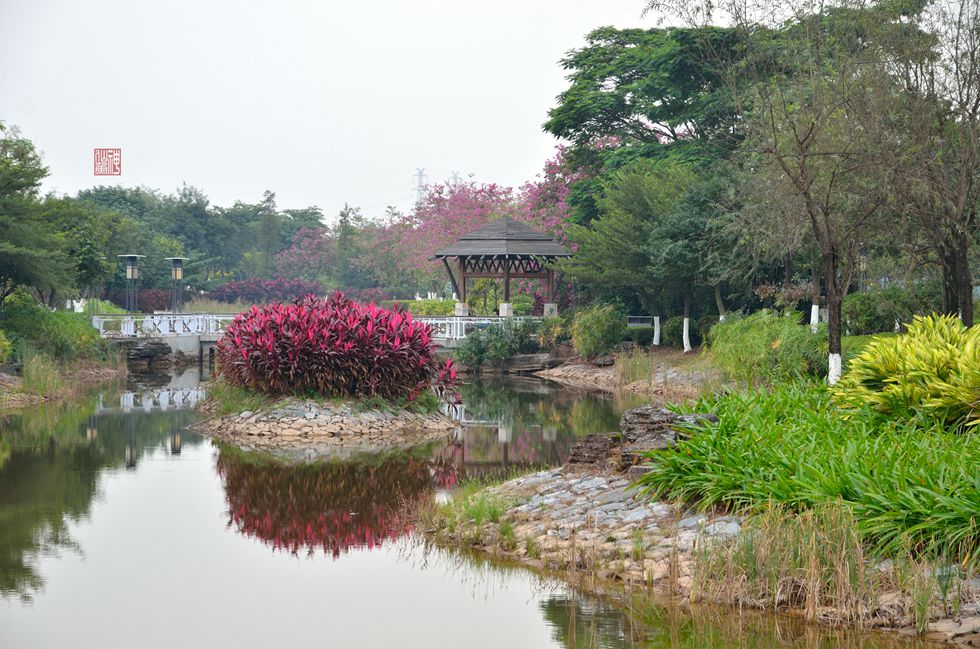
(176, 268)
(132, 265)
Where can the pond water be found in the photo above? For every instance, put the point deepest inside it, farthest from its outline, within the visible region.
(121, 528)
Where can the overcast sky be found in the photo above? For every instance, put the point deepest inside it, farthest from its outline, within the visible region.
(322, 102)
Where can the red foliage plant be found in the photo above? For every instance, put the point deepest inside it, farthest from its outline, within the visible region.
(334, 347)
(154, 299)
(257, 290)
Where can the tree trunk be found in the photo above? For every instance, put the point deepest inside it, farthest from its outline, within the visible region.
(687, 321)
(654, 309)
(814, 295)
(958, 280)
(834, 299)
(720, 303)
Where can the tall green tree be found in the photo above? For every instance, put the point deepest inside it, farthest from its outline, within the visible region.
(30, 248)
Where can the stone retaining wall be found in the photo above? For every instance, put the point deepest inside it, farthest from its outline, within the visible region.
(324, 429)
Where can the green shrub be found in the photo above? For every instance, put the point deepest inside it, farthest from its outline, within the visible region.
(522, 304)
(909, 486)
(673, 332)
(420, 308)
(877, 310)
(932, 371)
(5, 348)
(641, 336)
(495, 343)
(766, 346)
(595, 331)
(62, 335)
(553, 331)
(704, 324)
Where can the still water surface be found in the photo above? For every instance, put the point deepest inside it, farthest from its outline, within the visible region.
(120, 528)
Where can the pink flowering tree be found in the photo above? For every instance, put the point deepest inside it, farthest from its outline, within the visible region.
(312, 256)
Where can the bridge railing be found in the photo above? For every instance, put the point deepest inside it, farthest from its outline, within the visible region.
(458, 327)
(160, 325)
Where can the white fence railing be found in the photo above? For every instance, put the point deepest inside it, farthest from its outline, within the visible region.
(639, 321)
(163, 325)
(160, 325)
(457, 328)
(150, 400)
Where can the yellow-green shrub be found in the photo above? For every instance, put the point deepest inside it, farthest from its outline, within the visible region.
(597, 330)
(5, 348)
(932, 371)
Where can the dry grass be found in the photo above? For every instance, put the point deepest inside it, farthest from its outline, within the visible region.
(207, 305)
(814, 562)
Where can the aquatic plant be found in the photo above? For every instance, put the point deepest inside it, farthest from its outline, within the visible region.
(334, 347)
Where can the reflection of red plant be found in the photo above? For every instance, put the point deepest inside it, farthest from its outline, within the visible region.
(334, 506)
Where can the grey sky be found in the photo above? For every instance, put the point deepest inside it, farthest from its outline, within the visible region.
(321, 102)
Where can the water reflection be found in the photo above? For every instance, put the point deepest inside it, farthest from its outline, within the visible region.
(518, 422)
(49, 477)
(579, 622)
(329, 506)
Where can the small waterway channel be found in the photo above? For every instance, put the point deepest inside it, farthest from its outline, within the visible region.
(119, 527)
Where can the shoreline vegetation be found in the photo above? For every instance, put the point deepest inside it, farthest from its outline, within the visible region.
(848, 505)
(50, 355)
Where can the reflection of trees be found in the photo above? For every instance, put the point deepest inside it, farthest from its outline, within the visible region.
(580, 623)
(335, 506)
(50, 477)
(585, 623)
(525, 423)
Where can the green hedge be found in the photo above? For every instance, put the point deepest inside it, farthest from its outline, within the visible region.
(62, 335)
(877, 310)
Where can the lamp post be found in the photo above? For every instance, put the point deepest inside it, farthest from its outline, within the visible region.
(176, 288)
(132, 275)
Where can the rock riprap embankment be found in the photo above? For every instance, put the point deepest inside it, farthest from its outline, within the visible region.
(327, 429)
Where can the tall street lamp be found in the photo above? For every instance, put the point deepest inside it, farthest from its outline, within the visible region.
(132, 275)
(176, 288)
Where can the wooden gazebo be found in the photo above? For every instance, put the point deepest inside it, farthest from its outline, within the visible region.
(505, 249)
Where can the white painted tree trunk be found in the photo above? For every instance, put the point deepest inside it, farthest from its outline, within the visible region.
(834, 362)
(721, 317)
(814, 317)
(687, 334)
(656, 330)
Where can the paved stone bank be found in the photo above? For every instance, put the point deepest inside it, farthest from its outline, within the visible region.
(588, 524)
(315, 429)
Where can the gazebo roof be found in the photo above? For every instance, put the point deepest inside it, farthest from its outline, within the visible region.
(504, 238)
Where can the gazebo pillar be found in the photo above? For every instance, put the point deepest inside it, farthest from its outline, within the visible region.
(551, 306)
(462, 309)
(506, 308)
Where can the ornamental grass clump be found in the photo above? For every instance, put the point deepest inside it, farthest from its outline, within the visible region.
(909, 486)
(933, 372)
(334, 348)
